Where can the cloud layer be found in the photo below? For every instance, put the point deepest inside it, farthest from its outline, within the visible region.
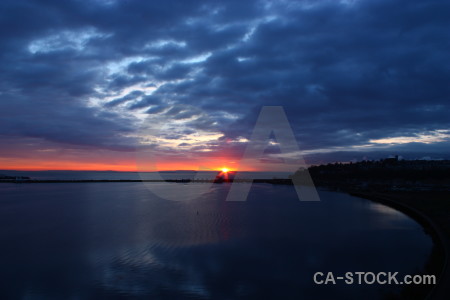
(351, 75)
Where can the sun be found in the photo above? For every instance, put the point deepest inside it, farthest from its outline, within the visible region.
(225, 170)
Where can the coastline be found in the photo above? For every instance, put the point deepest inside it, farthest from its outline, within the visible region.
(439, 258)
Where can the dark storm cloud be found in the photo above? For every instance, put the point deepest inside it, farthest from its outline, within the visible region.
(145, 102)
(156, 109)
(131, 96)
(70, 124)
(346, 72)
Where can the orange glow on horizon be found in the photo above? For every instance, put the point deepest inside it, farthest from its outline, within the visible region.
(126, 165)
(35, 155)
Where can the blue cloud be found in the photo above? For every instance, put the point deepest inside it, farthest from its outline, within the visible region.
(346, 73)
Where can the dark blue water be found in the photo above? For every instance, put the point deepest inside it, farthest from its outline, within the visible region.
(120, 241)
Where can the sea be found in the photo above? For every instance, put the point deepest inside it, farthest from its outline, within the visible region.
(125, 240)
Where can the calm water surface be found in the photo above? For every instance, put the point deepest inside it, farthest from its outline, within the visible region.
(120, 241)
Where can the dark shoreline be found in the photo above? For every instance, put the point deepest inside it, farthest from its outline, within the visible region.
(438, 261)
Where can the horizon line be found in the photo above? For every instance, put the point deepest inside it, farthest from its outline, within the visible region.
(153, 171)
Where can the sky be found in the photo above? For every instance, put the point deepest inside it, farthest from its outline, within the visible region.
(91, 85)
